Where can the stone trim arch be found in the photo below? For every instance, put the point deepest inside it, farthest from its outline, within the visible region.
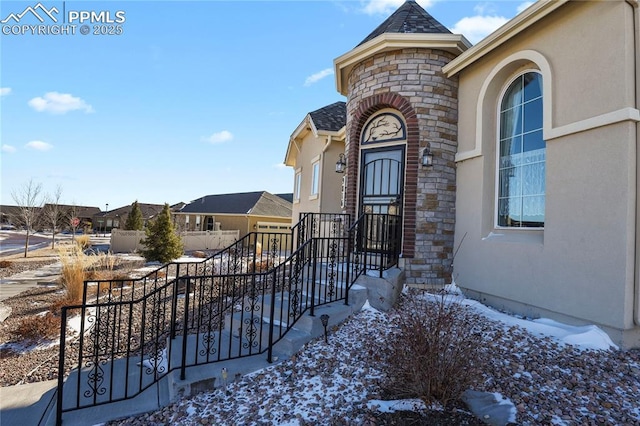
(364, 110)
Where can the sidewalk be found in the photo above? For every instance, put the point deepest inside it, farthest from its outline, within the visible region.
(26, 404)
(26, 280)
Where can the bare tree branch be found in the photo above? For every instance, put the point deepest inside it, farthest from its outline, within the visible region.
(29, 202)
(53, 214)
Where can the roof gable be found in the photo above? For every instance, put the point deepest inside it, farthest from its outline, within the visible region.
(331, 118)
(272, 205)
(517, 25)
(410, 18)
(329, 121)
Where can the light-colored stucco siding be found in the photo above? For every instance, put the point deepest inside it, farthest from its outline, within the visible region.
(330, 194)
(330, 185)
(582, 264)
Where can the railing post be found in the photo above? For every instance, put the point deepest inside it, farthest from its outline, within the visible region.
(63, 330)
(183, 364)
(272, 315)
(174, 303)
(314, 256)
(384, 243)
(365, 239)
(348, 283)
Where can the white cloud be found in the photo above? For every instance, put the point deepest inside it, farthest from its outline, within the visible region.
(484, 8)
(4, 91)
(219, 137)
(8, 148)
(475, 28)
(59, 103)
(525, 5)
(314, 78)
(39, 146)
(280, 166)
(386, 7)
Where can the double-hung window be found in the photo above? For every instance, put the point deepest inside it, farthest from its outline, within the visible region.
(521, 155)
(315, 178)
(296, 186)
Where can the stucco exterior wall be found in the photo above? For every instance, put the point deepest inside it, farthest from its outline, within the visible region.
(230, 222)
(329, 190)
(411, 82)
(580, 268)
(331, 181)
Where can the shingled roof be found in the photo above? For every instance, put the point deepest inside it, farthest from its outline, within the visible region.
(409, 18)
(259, 203)
(331, 117)
(148, 210)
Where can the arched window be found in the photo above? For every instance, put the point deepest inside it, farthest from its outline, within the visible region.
(521, 154)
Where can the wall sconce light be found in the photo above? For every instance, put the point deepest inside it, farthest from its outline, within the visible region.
(341, 164)
(427, 158)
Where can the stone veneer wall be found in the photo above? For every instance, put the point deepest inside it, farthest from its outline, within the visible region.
(412, 82)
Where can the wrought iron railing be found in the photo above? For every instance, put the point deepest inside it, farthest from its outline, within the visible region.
(376, 243)
(239, 302)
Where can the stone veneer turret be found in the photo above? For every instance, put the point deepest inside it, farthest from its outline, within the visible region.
(412, 82)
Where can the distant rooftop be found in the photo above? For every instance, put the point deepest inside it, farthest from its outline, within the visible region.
(259, 203)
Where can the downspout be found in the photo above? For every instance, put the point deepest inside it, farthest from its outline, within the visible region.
(328, 144)
(636, 42)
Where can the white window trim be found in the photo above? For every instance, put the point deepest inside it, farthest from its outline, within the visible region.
(543, 68)
(504, 89)
(297, 183)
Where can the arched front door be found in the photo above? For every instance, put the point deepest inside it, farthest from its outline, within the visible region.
(381, 198)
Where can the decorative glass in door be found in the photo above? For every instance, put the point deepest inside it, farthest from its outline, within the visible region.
(381, 198)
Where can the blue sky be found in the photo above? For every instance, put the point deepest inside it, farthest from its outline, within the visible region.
(193, 98)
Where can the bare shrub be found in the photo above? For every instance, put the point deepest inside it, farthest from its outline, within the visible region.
(56, 306)
(435, 351)
(36, 327)
(5, 263)
(158, 275)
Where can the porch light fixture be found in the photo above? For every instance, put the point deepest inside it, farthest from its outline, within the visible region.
(427, 158)
(341, 164)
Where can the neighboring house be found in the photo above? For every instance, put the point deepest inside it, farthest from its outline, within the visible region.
(116, 218)
(11, 215)
(517, 155)
(246, 212)
(83, 214)
(315, 147)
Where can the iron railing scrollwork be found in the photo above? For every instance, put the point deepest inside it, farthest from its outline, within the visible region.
(239, 302)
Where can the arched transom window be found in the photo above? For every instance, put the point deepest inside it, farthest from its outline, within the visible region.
(385, 127)
(521, 155)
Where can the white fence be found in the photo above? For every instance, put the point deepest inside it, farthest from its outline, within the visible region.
(130, 241)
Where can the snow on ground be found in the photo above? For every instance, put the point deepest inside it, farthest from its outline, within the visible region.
(534, 369)
(584, 337)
